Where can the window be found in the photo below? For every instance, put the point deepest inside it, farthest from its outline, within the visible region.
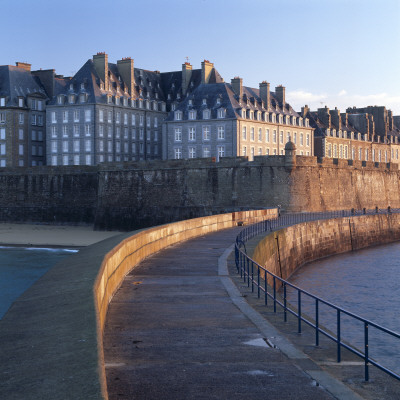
(366, 154)
(87, 130)
(126, 147)
(192, 114)
(76, 130)
(118, 147)
(178, 115)
(260, 134)
(101, 145)
(2, 118)
(287, 136)
(33, 104)
(118, 118)
(125, 133)
(65, 116)
(88, 159)
(346, 154)
(155, 122)
(206, 151)
(20, 118)
(133, 148)
(273, 118)
(295, 137)
(307, 139)
(20, 134)
(53, 160)
(76, 146)
(54, 146)
(88, 145)
(206, 114)
(192, 133)
(267, 152)
(260, 151)
(21, 149)
(252, 133)
(34, 119)
(221, 113)
(252, 153)
(221, 132)
(117, 132)
(141, 120)
(125, 119)
(71, 100)
(148, 135)
(109, 132)
(109, 117)
(88, 115)
(206, 133)
(109, 146)
(281, 137)
(301, 138)
(116, 100)
(148, 122)
(244, 133)
(65, 130)
(133, 119)
(40, 120)
(53, 131)
(156, 136)
(3, 149)
(76, 159)
(192, 152)
(178, 134)
(244, 150)
(360, 153)
(178, 153)
(101, 130)
(65, 146)
(267, 135)
(2, 101)
(65, 160)
(340, 151)
(221, 151)
(133, 134)
(141, 133)
(76, 116)
(274, 138)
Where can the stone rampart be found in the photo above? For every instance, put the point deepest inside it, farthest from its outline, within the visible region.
(285, 250)
(129, 196)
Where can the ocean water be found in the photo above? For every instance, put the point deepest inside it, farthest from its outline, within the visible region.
(21, 267)
(364, 282)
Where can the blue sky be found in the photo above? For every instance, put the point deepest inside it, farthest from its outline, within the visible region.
(325, 52)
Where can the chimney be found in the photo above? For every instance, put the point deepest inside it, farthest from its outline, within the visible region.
(335, 118)
(280, 95)
(100, 61)
(25, 66)
(237, 86)
(186, 76)
(125, 69)
(206, 69)
(265, 94)
(304, 111)
(47, 78)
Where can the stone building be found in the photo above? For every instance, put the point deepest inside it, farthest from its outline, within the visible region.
(354, 135)
(22, 117)
(211, 118)
(106, 113)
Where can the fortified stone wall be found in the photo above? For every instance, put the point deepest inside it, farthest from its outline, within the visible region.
(129, 196)
(283, 251)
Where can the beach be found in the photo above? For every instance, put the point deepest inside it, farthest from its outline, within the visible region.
(51, 235)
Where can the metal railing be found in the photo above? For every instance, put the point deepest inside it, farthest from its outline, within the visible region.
(266, 282)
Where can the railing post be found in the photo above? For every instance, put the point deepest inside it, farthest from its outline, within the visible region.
(252, 277)
(299, 311)
(338, 336)
(258, 281)
(274, 294)
(266, 287)
(316, 322)
(248, 272)
(366, 351)
(284, 302)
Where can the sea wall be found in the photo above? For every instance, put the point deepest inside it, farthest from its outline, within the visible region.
(283, 251)
(129, 196)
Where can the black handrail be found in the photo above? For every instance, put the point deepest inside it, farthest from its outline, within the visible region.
(246, 266)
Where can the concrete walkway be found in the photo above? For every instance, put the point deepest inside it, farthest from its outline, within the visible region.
(179, 329)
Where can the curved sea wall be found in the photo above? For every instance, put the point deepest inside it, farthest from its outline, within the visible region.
(287, 249)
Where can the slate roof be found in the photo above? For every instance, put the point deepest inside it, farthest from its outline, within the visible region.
(16, 82)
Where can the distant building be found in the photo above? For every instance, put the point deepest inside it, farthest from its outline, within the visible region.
(211, 118)
(367, 134)
(22, 117)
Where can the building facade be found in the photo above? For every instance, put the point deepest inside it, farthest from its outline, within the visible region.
(22, 117)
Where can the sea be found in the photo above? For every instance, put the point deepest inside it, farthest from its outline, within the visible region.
(20, 267)
(364, 282)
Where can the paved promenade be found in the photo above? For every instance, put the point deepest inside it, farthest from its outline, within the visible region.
(178, 328)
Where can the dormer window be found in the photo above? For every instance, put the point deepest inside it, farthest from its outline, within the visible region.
(140, 103)
(266, 117)
(294, 120)
(71, 99)
(359, 136)
(328, 132)
(71, 86)
(190, 102)
(125, 100)
(116, 100)
(206, 114)
(155, 106)
(163, 107)
(218, 101)
(344, 135)
(287, 120)
(204, 103)
(169, 96)
(334, 132)
(148, 104)
(156, 95)
(2, 101)
(300, 121)
(109, 99)
(82, 86)
(82, 97)
(192, 114)
(178, 115)
(20, 101)
(273, 118)
(281, 119)
(307, 123)
(251, 115)
(178, 96)
(102, 86)
(221, 113)
(173, 106)
(60, 99)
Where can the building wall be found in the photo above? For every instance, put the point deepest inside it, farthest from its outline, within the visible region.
(134, 195)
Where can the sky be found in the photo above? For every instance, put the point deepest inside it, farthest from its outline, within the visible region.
(335, 53)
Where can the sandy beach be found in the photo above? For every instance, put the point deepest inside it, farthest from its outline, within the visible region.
(51, 235)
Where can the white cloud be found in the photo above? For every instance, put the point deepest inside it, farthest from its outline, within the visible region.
(342, 93)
